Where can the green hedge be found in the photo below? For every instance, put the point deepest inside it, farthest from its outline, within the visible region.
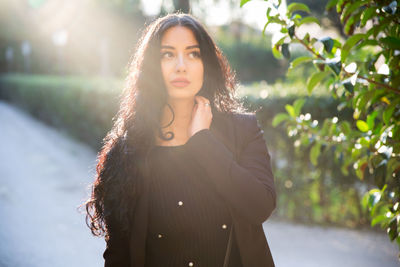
(248, 60)
(85, 107)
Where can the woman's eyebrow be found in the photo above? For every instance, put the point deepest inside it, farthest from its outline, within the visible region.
(173, 48)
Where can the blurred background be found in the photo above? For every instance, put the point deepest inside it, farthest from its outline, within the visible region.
(64, 63)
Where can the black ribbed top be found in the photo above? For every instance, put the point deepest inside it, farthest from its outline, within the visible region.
(189, 222)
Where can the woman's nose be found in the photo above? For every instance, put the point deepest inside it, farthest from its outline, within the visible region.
(180, 64)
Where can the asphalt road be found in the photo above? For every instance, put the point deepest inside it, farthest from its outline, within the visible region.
(44, 176)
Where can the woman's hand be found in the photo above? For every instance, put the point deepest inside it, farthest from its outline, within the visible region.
(201, 115)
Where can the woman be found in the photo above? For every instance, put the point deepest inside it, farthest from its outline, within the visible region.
(184, 176)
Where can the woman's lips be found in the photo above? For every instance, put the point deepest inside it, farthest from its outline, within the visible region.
(180, 83)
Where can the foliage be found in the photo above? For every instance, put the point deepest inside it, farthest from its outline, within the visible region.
(247, 57)
(306, 193)
(83, 107)
(363, 74)
(328, 18)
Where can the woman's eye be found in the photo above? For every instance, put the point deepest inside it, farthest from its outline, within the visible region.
(166, 55)
(195, 54)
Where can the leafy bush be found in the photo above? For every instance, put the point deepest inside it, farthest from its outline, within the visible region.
(83, 107)
(248, 54)
(362, 74)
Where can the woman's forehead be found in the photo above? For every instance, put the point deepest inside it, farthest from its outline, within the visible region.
(179, 36)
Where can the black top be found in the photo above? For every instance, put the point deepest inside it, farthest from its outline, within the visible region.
(189, 223)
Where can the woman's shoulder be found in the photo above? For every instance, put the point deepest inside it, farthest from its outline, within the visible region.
(237, 116)
(245, 123)
(242, 119)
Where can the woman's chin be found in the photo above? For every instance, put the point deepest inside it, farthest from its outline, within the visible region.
(181, 97)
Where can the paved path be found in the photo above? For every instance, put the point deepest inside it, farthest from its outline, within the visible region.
(44, 176)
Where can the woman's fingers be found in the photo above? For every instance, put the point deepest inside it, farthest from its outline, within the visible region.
(201, 116)
(202, 101)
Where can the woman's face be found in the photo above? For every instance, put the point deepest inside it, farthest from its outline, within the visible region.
(181, 64)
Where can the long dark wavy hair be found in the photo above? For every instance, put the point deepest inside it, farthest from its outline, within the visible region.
(122, 163)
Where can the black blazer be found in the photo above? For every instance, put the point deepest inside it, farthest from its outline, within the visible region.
(247, 185)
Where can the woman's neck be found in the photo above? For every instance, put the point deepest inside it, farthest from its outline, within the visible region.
(182, 119)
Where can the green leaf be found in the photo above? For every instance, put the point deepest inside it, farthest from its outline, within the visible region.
(296, 18)
(242, 2)
(336, 43)
(328, 43)
(314, 153)
(340, 5)
(349, 44)
(362, 126)
(350, 8)
(331, 4)
(299, 60)
(297, 105)
(334, 63)
(351, 23)
(310, 19)
(336, 66)
(387, 114)
(391, 41)
(276, 20)
(276, 53)
(368, 42)
(367, 14)
(290, 110)
(371, 119)
(280, 117)
(315, 79)
(378, 219)
(298, 7)
(348, 86)
(280, 41)
(291, 31)
(285, 50)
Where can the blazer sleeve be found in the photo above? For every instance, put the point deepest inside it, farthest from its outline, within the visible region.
(246, 185)
(116, 253)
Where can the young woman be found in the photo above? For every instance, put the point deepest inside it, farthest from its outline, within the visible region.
(184, 176)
